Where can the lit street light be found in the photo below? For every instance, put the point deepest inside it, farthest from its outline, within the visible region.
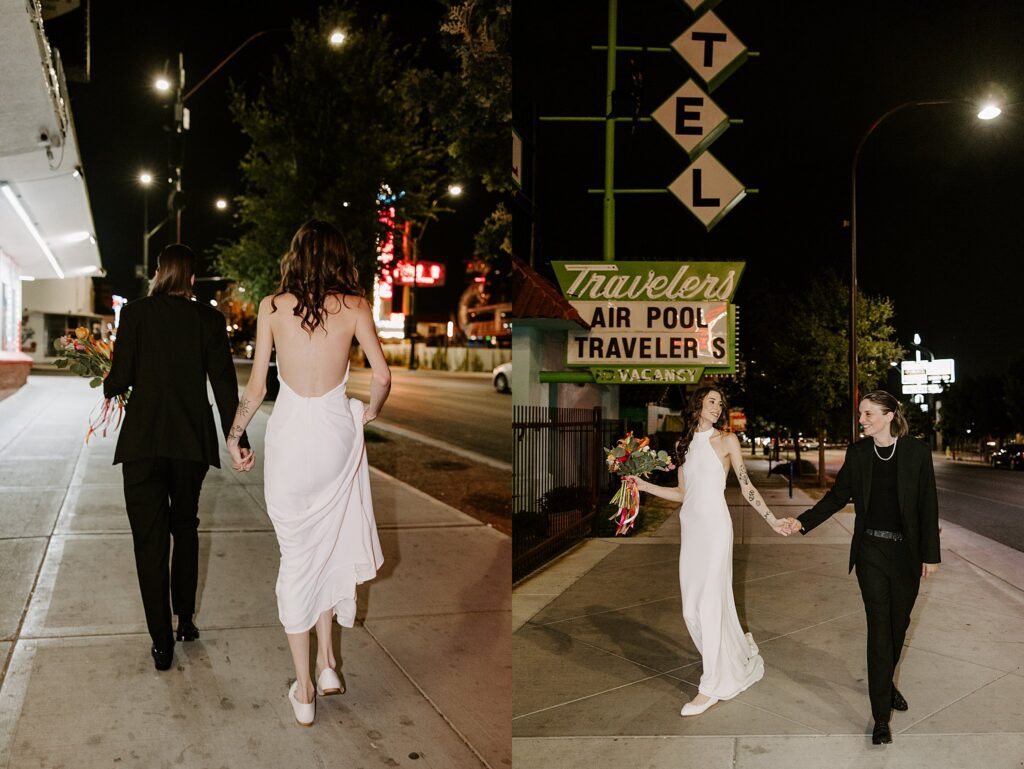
(145, 178)
(987, 113)
(221, 204)
(455, 190)
(162, 84)
(337, 38)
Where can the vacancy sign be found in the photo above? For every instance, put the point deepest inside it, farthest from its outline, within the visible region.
(708, 190)
(711, 50)
(691, 118)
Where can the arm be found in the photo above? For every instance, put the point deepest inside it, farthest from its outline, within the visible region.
(665, 492)
(929, 518)
(751, 494)
(835, 499)
(255, 390)
(220, 368)
(122, 365)
(380, 386)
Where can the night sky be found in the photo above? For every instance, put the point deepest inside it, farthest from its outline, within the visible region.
(120, 122)
(939, 216)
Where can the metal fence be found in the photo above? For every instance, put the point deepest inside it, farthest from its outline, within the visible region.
(557, 472)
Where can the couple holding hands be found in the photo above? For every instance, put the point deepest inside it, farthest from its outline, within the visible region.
(890, 478)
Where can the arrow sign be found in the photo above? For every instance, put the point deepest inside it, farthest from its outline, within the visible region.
(711, 50)
(691, 118)
(708, 190)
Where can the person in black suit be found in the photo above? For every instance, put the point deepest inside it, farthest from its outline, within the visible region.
(891, 480)
(167, 345)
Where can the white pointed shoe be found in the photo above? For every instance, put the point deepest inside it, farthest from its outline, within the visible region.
(689, 709)
(304, 712)
(328, 682)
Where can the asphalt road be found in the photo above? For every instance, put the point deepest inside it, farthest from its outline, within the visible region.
(463, 410)
(459, 409)
(987, 501)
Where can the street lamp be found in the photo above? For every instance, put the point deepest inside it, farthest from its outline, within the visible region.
(181, 120)
(220, 204)
(454, 190)
(337, 37)
(988, 112)
(146, 180)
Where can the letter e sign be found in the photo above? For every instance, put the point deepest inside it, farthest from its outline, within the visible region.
(691, 118)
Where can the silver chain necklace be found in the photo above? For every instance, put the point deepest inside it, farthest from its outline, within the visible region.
(891, 453)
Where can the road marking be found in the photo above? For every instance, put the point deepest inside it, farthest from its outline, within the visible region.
(415, 436)
(978, 496)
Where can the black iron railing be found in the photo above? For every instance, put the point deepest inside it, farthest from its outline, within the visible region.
(557, 474)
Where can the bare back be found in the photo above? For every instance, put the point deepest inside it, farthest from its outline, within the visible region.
(314, 364)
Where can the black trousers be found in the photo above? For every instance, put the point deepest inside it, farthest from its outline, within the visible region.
(162, 497)
(889, 581)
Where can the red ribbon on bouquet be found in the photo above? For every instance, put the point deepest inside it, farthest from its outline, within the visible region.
(628, 500)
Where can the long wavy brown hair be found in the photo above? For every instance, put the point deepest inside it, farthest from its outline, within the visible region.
(318, 264)
(691, 419)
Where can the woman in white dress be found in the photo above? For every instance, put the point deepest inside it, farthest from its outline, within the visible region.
(705, 450)
(316, 480)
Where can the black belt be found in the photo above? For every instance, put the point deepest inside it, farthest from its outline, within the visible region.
(895, 536)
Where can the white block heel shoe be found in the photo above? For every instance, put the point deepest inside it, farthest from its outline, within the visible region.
(689, 709)
(304, 712)
(328, 682)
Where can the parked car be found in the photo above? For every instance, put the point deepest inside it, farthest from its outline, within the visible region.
(501, 377)
(1011, 455)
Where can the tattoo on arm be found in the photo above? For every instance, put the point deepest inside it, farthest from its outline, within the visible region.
(235, 433)
(244, 404)
(750, 495)
(744, 479)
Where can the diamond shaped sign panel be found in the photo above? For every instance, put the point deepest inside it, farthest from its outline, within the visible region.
(691, 118)
(699, 6)
(708, 189)
(711, 50)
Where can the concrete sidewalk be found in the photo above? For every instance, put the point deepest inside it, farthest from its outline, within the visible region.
(427, 667)
(603, 661)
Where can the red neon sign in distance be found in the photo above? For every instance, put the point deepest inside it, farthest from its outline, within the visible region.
(427, 273)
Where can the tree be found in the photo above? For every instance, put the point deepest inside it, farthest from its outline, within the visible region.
(328, 127)
(974, 410)
(476, 112)
(804, 368)
(1013, 394)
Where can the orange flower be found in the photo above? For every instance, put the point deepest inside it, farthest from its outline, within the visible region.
(82, 333)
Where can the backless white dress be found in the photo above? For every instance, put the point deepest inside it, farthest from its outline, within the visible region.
(731, 659)
(317, 487)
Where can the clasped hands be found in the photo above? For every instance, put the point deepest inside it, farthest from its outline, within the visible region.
(242, 460)
(787, 526)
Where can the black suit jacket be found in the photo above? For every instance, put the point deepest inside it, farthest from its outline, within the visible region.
(915, 488)
(166, 348)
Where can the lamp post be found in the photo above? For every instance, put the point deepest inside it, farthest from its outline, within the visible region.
(454, 190)
(164, 84)
(987, 112)
(146, 180)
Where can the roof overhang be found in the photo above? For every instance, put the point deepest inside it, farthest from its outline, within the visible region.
(39, 158)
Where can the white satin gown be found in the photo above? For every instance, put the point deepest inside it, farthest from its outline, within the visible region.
(730, 657)
(317, 487)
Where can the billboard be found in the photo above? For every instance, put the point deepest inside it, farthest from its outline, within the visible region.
(919, 377)
(663, 322)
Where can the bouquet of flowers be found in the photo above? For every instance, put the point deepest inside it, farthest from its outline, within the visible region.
(632, 457)
(88, 357)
